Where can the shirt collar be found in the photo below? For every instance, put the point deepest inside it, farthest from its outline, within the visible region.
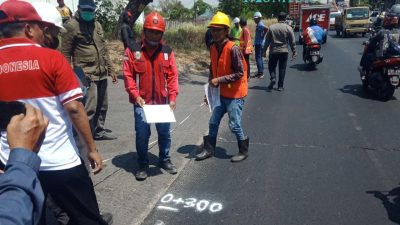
(14, 42)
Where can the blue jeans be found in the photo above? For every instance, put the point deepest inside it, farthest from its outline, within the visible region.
(234, 108)
(259, 60)
(143, 133)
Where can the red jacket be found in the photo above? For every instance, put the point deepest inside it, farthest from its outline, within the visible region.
(158, 78)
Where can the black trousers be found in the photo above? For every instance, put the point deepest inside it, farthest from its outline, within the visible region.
(72, 190)
(274, 59)
(247, 59)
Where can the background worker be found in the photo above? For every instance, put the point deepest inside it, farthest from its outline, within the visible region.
(236, 31)
(64, 10)
(127, 37)
(279, 37)
(259, 36)
(245, 44)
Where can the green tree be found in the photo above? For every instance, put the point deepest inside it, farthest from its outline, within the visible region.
(107, 13)
(201, 7)
(247, 8)
(174, 10)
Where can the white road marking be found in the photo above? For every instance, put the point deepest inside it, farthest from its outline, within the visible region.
(167, 208)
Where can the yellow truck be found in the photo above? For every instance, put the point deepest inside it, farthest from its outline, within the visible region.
(352, 20)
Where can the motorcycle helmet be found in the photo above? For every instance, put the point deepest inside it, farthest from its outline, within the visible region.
(390, 21)
(313, 22)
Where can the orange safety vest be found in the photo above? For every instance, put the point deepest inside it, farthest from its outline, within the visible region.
(249, 47)
(223, 66)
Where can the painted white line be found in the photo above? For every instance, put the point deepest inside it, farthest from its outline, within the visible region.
(107, 160)
(153, 142)
(185, 119)
(167, 208)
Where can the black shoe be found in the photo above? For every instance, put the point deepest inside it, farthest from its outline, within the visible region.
(280, 89)
(141, 174)
(108, 217)
(104, 136)
(108, 130)
(168, 166)
(271, 84)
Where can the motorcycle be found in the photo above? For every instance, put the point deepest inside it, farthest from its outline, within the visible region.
(312, 55)
(382, 77)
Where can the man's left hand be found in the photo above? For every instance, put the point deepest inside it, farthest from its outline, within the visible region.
(114, 78)
(214, 82)
(172, 105)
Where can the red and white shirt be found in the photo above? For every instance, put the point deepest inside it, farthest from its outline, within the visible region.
(43, 78)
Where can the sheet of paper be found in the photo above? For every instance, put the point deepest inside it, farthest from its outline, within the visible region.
(158, 114)
(212, 95)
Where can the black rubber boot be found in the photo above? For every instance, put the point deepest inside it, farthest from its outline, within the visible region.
(243, 151)
(208, 148)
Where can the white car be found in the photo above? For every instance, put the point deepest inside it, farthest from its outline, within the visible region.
(332, 17)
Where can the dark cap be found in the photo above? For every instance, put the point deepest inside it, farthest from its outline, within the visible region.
(17, 11)
(282, 16)
(87, 4)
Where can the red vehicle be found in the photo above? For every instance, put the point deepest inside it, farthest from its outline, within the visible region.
(294, 13)
(319, 12)
(383, 77)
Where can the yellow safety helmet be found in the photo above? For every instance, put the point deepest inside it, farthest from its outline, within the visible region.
(220, 19)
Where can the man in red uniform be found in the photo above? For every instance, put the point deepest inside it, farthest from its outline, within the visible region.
(44, 79)
(151, 77)
(228, 72)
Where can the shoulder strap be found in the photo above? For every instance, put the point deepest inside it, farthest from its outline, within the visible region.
(135, 47)
(167, 51)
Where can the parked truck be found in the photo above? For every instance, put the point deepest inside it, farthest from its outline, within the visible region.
(352, 20)
(318, 12)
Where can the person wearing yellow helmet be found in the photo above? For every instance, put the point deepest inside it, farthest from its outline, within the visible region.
(228, 73)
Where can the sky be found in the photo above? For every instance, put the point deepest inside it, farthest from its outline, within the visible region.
(72, 4)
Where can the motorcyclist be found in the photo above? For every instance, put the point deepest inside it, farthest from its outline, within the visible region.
(378, 22)
(314, 34)
(375, 44)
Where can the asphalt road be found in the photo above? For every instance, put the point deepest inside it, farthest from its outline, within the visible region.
(321, 152)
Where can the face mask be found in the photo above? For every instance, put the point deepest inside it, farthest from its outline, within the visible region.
(87, 16)
(152, 43)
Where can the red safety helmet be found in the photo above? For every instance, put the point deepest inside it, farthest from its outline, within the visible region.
(390, 21)
(154, 21)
